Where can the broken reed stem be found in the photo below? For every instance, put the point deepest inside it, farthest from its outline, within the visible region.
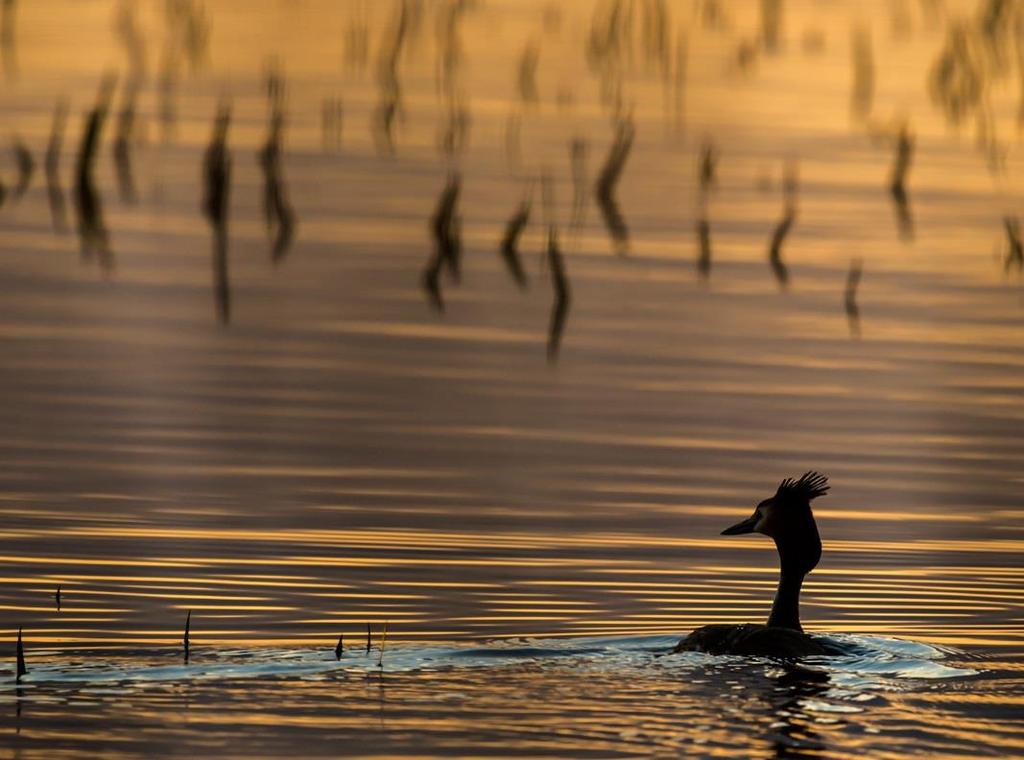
(22, 670)
(368, 638)
(185, 639)
(339, 650)
(383, 642)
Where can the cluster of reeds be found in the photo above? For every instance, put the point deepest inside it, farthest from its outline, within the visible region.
(21, 669)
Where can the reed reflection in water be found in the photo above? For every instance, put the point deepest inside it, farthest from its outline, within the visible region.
(344, 456)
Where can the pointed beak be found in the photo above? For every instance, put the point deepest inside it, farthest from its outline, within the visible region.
(744, 526)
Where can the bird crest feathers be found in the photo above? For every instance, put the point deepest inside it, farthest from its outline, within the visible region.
(811, 485)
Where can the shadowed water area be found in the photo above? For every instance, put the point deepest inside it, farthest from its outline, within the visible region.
(479, 321)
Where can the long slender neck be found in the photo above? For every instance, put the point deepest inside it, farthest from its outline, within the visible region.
(786, 607)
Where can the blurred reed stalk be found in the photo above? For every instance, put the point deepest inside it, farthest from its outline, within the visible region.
(862, 61)
(562, 296)
(55, 192)
(123, 140)
(785, 224)
(510, 243)
(704, 247)
(1015, 252)
(445, 230)
(217, 184)
(850, 298)
(607, 181)
(26, 168)
(898, 182)
(277, 211)
(91, 229)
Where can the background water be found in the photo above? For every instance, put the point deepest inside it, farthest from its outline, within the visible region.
(342, 455)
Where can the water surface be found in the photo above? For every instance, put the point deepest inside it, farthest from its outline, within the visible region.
(340, 454)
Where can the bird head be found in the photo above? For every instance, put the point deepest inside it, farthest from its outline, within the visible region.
(786, 517)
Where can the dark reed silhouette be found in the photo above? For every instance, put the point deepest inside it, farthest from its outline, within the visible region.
(332, 119)
(578, 159)
(454, 134)
(704, 247)
(707, 171)
(369, 635)
(607, 180)
(1015, 251)
(782, 229)
(186, 643)
(339, 648)
(562, 296)
(54, 189)
(527, 74)
(217, 184)
(786, 517)
(26, 169)
(771, 24)
(8, 37)
(850, 297)
(510, 243)
(123, 141)
(863, 88)
(445, 230)
(126, 29)
(389, 106)
(277, 211)
(56, 598)
(898, 182)
(20, 656)
(92, 231)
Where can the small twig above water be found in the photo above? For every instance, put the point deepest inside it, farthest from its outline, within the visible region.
(20, 655)
(185, 639)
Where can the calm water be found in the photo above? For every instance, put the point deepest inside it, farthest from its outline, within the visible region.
(535, 534)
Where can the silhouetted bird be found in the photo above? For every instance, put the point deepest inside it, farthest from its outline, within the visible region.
(786, 517)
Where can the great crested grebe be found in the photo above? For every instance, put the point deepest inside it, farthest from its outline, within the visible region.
(786, 517)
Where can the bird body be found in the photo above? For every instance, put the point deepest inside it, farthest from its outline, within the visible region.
(788, 520)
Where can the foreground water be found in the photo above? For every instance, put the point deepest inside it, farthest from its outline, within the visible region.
(577, 697)
(339, 454)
